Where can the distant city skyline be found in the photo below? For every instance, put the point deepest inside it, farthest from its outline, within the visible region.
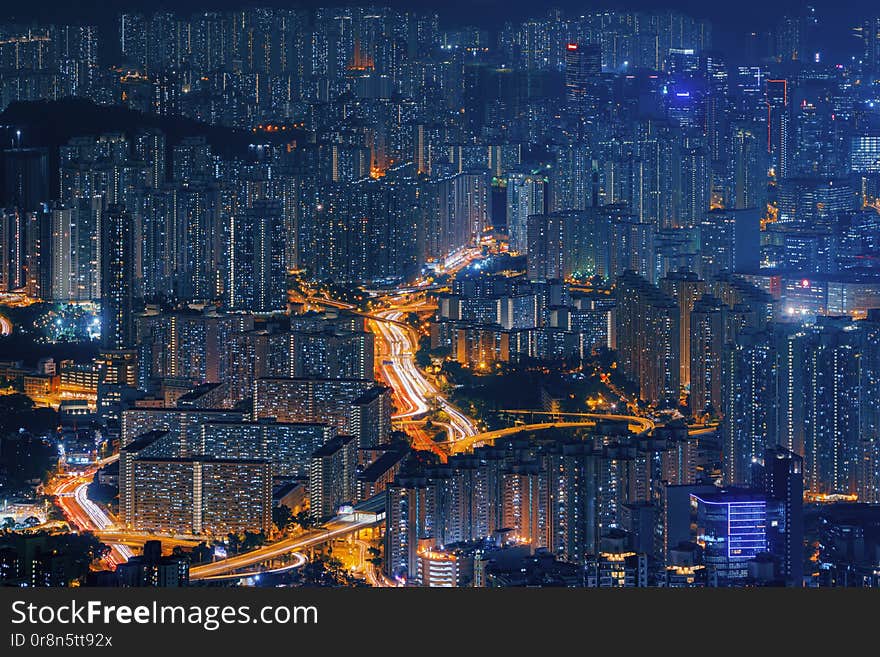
(738, 18)
(388, 296)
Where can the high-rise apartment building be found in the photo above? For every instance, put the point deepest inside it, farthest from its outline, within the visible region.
(648, 342)
(332, 469)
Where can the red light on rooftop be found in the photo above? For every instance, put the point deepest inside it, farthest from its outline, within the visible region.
(572, 46)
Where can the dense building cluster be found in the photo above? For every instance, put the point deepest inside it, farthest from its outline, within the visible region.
(707, 221)
(486, 320)
(220, 402)
(607, 497)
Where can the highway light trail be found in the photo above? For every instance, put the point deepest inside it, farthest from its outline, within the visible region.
(414, 391)
(299, 560)
(98, 516)
(72, 498)
(268, 552)
(636, 423)
(414, 394)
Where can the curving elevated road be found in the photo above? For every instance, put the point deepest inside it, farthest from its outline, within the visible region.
(71, 496)
(298, 561)
(136, 539)
(636, 423)
(333, 529)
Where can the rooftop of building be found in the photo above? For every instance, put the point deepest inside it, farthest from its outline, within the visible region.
(143, 441)
(197, 392)
(732, 495)
(381, 466)
(332, 446)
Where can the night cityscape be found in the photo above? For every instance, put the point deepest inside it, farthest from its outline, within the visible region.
(410, 296)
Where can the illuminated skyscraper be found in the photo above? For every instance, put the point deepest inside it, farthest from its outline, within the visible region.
(369, 230)
(39, 260)
(714, 68)
(795, 36)
(749, 163)
(730, 241)
(691, 182)
(780, 474)
(78, 58)
(524, 504)
(190, 345)
(331, 354)
(470, 207)
(133, 38)
(821, 391)
(546, 242)
(160, 492)
(25, 178)
(583, 68)
(193, 160)
(117, 273)
(288, 446)
(647, 328)
(149, 147)
(686, 288)
(631, 246)
(13, 249)
(778, 127)
(732, 527)
(252, 355)
(439, 569)
(406, 514)
(75, 250)
(870, 33)
(183, 425)
(332, 470)
(355, 407)
(806, 201)
(573, 184)
(525, 197)
(706, 350)
(575, 523)
(256, 271)
(749, 402)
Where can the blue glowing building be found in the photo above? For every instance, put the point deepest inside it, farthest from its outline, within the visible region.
(734, 526)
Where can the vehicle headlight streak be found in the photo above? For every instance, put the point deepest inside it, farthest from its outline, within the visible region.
(414, 390)
(99, 517)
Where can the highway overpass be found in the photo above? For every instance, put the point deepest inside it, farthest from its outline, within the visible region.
(635, 423)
